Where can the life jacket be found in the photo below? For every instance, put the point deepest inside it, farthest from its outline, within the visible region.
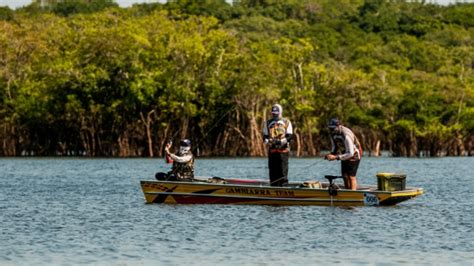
(183, 171)
(277, 129)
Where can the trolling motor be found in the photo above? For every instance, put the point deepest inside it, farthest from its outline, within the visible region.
(332, 187)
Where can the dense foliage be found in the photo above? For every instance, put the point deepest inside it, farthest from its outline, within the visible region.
(99, 80)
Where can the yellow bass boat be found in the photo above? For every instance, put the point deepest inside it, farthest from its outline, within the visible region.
(214, 190)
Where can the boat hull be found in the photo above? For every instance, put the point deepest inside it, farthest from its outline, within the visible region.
(258, 193)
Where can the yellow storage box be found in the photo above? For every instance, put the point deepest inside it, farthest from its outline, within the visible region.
(391, 181)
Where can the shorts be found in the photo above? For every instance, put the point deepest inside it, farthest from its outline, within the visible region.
(349, 167)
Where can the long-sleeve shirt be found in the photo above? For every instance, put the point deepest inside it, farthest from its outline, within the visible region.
(183, 166)
(349, 141)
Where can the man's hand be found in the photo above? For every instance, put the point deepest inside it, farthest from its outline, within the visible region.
(274, 142)
(330, 157)
(269, 141)
(167, 148)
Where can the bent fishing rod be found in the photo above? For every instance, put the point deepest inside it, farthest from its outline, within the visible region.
(195, 147)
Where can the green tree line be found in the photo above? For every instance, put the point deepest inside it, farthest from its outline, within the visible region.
(88, 78)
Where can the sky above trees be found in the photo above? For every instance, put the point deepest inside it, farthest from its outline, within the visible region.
(127, 3)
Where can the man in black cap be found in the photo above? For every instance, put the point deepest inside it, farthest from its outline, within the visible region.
(345, 147)
(183, 163)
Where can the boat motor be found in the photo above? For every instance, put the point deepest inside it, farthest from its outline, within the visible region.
(332, 187)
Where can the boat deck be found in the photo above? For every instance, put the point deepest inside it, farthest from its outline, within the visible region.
(215, 190)
(264, 183)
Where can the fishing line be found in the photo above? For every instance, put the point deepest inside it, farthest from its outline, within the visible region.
(310, 165)
(196, 147)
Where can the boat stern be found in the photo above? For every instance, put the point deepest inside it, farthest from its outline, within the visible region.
(396, 197)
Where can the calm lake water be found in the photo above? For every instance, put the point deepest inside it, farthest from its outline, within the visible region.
(92, 211)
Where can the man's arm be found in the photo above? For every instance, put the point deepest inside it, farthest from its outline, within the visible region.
(288, 134)
(349, 149)
(332, 154)
(181, 159)
(265, 132)
(333, 146)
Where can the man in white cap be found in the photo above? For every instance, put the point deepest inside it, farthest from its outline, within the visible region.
(277, 134)
(183, 163)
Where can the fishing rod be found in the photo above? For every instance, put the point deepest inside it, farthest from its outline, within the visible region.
(168, 159)
(196, 146)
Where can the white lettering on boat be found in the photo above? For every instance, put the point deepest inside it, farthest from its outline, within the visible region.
(371, 199)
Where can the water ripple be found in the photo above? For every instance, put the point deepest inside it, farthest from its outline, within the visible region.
(92, 211)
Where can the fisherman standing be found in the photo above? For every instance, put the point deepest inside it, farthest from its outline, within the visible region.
(183, 163)
(351, 152)
(277, 133)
